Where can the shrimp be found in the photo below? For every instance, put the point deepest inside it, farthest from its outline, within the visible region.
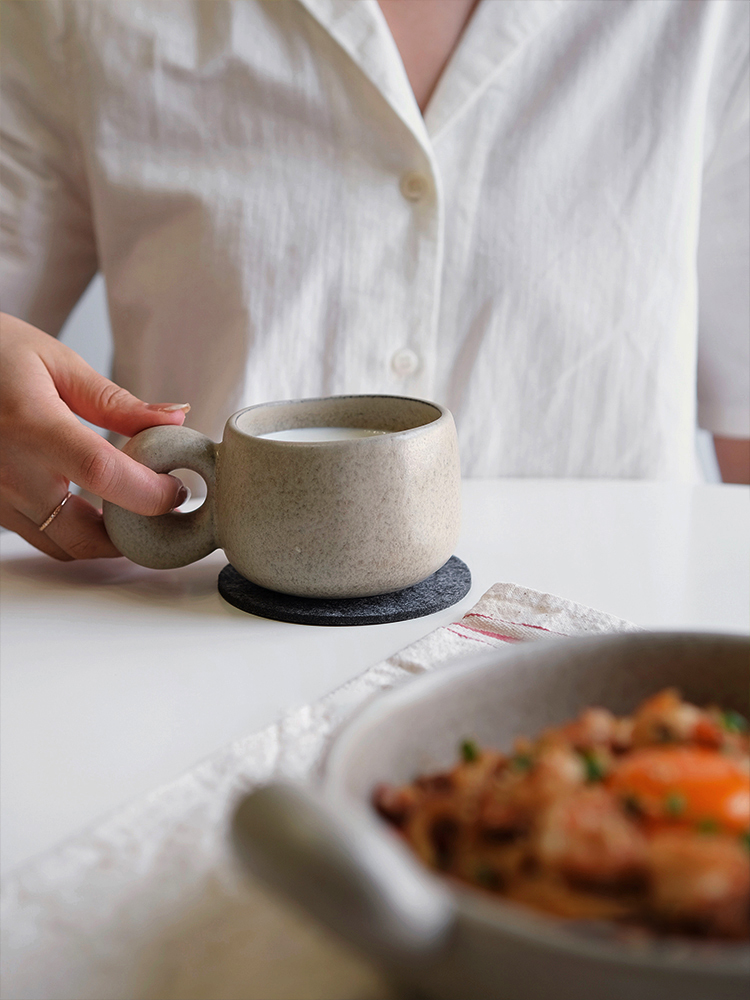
(529, 783)
(666, 718)
(598, 728)
(700, 882)
(588, 838)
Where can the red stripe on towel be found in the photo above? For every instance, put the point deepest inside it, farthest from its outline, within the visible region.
(506, 621)
(495, 635)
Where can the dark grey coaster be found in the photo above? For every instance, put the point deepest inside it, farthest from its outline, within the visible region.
(441, 590)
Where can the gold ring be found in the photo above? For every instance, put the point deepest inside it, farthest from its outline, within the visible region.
(55, 512)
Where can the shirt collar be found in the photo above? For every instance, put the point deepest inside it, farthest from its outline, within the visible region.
(362, 32)
(496, 30)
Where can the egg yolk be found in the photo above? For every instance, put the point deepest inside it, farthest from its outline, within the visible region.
(685, 786)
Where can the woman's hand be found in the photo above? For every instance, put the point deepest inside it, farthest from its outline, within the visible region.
(43, 384)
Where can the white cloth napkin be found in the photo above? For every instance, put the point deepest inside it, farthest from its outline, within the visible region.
(149, 905)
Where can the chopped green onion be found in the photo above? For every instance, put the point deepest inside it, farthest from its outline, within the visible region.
(674, 803)
(522, 762)
(469, 751)
(595, 770)
(734, 722)
(707, 826)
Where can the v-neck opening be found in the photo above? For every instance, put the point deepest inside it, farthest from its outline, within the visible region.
(492, 34)
(424, 113)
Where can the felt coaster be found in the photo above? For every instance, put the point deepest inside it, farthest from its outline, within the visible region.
(441, 590)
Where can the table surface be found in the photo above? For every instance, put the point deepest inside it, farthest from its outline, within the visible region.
(115, 679)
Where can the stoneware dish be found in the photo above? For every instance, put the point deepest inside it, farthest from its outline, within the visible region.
(331, 852)
(352, 517)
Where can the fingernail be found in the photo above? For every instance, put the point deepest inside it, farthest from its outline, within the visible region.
(182, 497)
(169, 407)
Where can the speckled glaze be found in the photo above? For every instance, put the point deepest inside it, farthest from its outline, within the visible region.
(348, 518)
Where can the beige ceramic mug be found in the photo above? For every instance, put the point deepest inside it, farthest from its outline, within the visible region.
(350, 496)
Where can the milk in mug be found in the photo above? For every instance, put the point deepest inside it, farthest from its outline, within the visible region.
(308, 434)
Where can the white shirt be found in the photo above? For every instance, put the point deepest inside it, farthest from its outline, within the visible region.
(557, 251)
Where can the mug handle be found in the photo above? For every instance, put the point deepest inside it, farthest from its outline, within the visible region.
(167, 540)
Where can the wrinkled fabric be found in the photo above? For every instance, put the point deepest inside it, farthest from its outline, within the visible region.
(557, 250)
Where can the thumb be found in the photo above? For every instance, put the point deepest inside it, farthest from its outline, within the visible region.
(107, 405)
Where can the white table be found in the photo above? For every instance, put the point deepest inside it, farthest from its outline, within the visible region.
(115, 679)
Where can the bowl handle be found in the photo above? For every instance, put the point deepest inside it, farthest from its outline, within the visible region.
(359, 881)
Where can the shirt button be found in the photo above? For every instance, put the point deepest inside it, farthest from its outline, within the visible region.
(414, 186)
(405, 362)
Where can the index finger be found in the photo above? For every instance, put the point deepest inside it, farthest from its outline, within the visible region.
(89, 460)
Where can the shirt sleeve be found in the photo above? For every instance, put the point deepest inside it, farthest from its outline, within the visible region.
(724, 244)
(47, 245)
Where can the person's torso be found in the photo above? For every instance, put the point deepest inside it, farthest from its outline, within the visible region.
(276, 220)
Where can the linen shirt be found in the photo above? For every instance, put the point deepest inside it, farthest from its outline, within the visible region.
(557, 250)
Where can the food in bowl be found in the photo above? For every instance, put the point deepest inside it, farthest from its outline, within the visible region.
(643, 819)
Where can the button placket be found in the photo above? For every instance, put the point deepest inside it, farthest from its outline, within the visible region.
(412, 364)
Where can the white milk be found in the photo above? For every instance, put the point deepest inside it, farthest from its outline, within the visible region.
(308, 434)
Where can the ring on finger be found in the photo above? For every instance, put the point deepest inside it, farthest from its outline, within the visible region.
(55, 512)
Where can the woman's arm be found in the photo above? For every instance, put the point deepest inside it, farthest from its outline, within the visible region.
(733, 456)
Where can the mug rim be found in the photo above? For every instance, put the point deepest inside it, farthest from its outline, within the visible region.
(443, 414)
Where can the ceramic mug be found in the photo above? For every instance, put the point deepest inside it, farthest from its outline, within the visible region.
(353, 516)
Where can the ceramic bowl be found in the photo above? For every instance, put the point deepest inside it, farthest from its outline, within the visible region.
(331, 852)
